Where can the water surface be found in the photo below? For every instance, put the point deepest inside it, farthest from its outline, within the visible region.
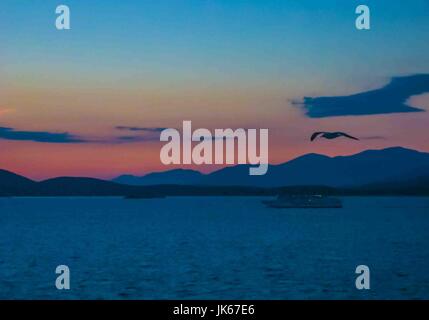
(212, 248)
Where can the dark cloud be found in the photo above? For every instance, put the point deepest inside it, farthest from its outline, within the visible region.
(135, 139)
(150, 134)
(38, 136)
(146, 134)
(389, 99)
(145, 129)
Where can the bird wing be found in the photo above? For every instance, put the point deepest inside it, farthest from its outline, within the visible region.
(315, 135)
(348, 136)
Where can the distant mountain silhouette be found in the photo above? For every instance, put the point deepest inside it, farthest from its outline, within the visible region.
(177, 176)
(393, 171)
(13, 183)
(364, 168)
(82, 186)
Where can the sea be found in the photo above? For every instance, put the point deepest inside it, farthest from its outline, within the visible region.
(213, 248)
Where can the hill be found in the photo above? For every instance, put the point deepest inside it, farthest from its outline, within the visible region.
(364, 168)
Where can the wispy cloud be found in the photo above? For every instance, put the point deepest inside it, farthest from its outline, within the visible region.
(147, 135)
(145, 129)
(123, 139)
(150, 134)
(391, 98)
(139, 134)
(38, 136)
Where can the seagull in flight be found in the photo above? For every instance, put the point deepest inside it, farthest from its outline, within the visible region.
(331, 135)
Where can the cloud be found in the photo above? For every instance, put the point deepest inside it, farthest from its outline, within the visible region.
(147, 134)
(391, 98)
(65, 137)
(135, 139)
(38, 136)
(145, 129)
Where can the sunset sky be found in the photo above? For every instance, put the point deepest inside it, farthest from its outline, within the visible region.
(71, 101)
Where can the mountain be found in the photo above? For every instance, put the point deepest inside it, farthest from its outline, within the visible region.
(177, 176)
(72, 186)
(393, 171)
(11, 183)
(14, 185)
(371, 166)
(343, 171)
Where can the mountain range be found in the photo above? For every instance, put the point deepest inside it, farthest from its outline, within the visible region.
(392, 171)
(368, 167)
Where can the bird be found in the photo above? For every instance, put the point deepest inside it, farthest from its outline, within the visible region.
(331, 135)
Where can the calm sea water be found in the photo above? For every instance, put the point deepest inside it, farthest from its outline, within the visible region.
(214, 247)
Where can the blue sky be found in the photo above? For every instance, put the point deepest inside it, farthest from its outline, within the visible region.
(192, 37)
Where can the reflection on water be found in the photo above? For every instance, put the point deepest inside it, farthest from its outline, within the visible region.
(214, 247)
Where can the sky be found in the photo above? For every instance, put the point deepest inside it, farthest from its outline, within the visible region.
(91, 101)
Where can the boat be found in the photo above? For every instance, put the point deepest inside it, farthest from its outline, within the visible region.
(303, 201)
